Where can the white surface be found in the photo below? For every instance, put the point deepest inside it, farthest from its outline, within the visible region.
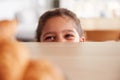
(82, 61)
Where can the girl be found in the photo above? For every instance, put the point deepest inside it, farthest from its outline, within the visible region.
(59, 25)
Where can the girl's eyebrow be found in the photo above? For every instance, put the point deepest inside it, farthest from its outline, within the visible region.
(48, 33)
(55, 32)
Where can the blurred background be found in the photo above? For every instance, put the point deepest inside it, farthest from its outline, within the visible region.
(99, 18)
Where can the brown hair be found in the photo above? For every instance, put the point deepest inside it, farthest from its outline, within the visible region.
(57, 12)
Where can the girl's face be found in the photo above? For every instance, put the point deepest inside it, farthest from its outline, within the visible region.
(60, 29)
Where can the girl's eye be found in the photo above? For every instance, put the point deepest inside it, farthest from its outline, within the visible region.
(69, 36)
(50, 38)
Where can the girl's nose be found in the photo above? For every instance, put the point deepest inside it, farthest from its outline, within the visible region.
(60, 39)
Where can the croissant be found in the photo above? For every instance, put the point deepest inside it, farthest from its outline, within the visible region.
(42, 70)
(13, 60)
(13, 56)
(8, 29)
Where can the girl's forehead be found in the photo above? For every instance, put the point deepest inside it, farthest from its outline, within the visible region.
(59, 25)
(63, 19)
(60, 21)
(62, 16)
